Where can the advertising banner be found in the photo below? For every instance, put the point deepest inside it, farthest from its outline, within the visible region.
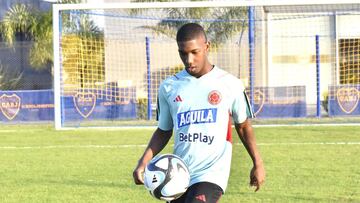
(27, 105)
(343, 100)
(279, 102)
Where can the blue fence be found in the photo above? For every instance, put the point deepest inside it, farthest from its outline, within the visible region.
(37, 105)
(93, 105)
(269, 102)
(279, 102)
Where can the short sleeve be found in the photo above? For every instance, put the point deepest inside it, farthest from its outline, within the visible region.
(163, 112)
(241, 108)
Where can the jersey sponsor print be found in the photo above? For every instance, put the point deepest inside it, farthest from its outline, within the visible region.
(196, 117)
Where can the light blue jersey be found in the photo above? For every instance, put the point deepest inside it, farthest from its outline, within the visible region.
(199, 111)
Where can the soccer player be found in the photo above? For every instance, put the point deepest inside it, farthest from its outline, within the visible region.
(197, 105)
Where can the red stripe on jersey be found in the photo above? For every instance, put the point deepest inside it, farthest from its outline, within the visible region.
(229, 134)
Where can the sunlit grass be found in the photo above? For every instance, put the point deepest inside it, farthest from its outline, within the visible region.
(303, 164)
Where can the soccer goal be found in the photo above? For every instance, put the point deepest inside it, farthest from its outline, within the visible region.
(295, 58)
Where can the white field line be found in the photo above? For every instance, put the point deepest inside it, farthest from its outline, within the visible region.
(254, 125)
(27, 130)
(140, 127)
(144, 145)
(305, 125)
(72, 146)
(307, 143)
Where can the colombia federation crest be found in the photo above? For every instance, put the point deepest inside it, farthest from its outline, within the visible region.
(214, 97)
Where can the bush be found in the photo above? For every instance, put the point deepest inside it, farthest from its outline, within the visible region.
(325, 101)
(9, 79)
(141, 106)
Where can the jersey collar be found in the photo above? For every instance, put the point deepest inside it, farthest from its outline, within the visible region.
(207, 75)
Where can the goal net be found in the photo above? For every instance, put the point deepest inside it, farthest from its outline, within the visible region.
(295, 60)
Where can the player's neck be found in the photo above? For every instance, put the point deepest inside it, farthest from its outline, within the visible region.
(208, 68)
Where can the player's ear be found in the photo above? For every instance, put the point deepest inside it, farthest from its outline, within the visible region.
(207, 44)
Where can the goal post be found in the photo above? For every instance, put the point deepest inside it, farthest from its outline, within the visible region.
(109, 58)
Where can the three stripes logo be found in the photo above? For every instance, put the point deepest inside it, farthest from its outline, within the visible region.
(178, 99)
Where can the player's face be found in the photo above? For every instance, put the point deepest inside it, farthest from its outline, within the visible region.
(193, 54)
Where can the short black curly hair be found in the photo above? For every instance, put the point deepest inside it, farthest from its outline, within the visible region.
(190, 31)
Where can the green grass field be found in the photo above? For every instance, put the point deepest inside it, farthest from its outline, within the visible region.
(303, 164)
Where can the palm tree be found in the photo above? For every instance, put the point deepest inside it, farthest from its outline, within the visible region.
(221, 23)
(35, 26)
(31, 25)
(18, 20)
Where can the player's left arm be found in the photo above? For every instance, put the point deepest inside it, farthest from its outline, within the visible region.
(247, 137)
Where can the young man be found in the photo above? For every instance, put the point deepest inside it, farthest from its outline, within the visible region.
(197, 104)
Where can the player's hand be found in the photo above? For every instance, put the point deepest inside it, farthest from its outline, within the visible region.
(257, 176)
(138, 175)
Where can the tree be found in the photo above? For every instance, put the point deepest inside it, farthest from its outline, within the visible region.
(29, 24)
(221, 23)
(35, 26)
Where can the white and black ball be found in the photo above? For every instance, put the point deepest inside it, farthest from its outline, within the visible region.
(166, 177)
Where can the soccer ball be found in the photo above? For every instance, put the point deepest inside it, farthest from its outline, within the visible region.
(166, 177)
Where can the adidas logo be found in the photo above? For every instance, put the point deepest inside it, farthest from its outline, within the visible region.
(178, 99)
(154, 180)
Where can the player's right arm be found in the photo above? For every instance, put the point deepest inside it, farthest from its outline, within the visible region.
(160, 137)
(241, 111)
(158, 141)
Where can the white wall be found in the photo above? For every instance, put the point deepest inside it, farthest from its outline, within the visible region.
(292, 51)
